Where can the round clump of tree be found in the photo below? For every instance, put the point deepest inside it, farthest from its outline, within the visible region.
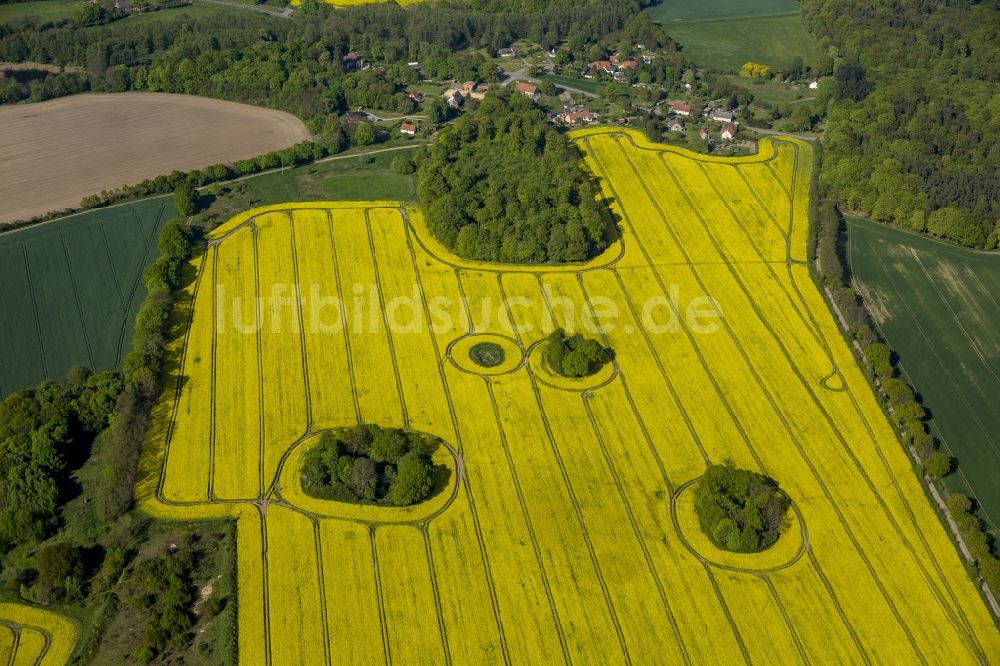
(574, 356)
(740, 511)
(371, 465)
(487, 354)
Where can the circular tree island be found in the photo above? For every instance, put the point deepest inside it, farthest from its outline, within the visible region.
(487, 354)
(739, 510)
(368, 464)
(574, 356)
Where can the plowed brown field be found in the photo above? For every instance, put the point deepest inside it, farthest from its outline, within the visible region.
(56, 153)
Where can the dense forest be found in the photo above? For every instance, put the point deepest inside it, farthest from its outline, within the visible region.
(913, 125)
(368, 463)
(501, 184)
(296, 65)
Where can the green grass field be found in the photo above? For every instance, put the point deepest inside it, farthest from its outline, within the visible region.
(938, 305)
(354, 178)
(71, 289)
(668, 11)
(43, 10)
(587, 85)
(727, 44)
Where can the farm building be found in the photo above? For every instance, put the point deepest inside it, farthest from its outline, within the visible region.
(408, 128)
(722, 116)
(680, 108)
(575, 117)
(729, 132)
(527, 89)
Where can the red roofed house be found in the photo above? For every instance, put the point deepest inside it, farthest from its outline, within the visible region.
(603, 65)
(527, 89)
(729, 131)
(407, 128)
(575, 117)
(416, 96)
(468, 86)
(680, 108)
(628, 64)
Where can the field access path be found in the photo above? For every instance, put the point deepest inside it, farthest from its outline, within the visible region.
(564, 529)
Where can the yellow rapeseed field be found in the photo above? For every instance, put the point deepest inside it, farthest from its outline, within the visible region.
(564, 531)
(30, 635)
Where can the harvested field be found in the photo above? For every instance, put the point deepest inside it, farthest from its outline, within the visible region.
(58, 152)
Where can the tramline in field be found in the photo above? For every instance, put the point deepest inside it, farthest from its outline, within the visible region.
(30, 635)
(564, 530)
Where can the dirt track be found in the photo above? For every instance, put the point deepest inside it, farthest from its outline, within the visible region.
(55, 153)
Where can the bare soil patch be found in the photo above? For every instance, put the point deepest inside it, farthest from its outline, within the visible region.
(58, 152)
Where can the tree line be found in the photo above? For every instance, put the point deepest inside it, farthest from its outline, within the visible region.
(898, 399)
(913, 134)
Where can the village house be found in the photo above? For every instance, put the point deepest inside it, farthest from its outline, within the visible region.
(722, 116)
(676, 126)
(574, 117)
(416, 96)
(729, 132)
(408, 128)
(648, 59)
(468, 87)
(628, 64)
(603, 66)
(354, 62)
(703, 133)
(680, 108)
(527, 89)
(454, 98)
(507, 52)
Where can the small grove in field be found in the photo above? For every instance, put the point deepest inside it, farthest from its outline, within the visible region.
(368, 463)
(739, 510)
(487, 354)
(574, 355)
(501, 184)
